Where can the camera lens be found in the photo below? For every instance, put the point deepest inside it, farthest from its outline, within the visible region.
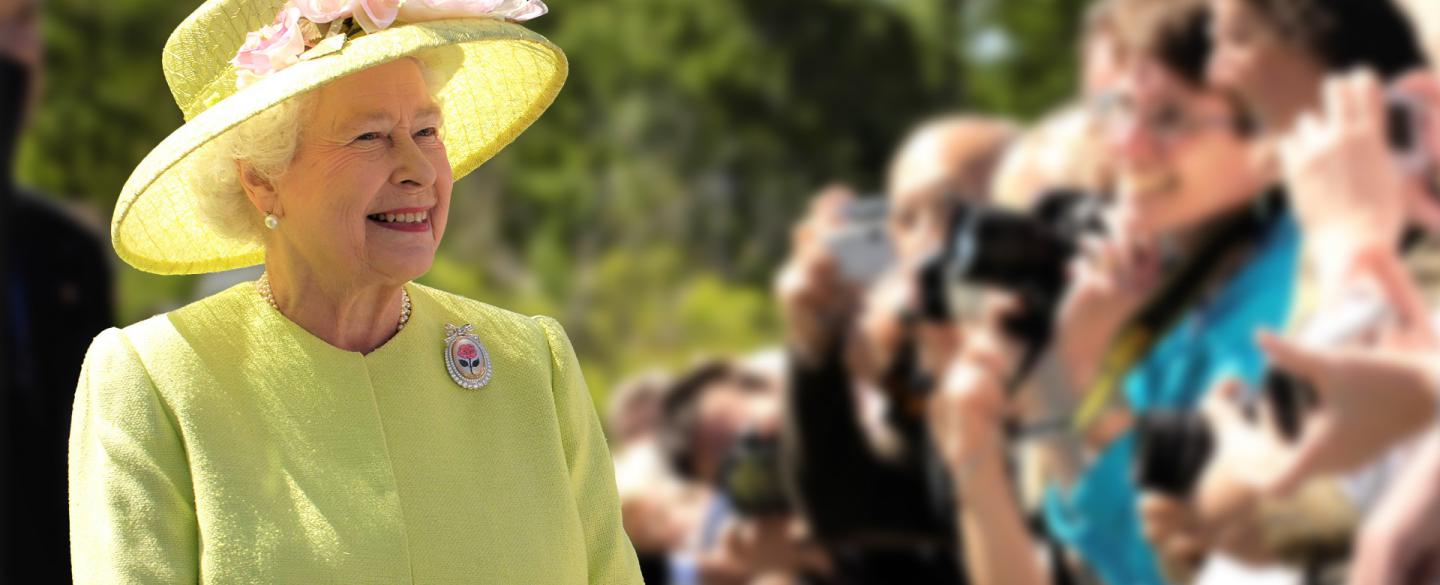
(1172, 449)
(1289, 398)
(1400, 126)
(751, 476)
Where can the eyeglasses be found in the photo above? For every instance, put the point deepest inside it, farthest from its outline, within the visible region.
(1169, 123)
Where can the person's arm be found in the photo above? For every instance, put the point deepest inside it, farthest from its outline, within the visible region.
(132, 504)
(1400, 542)
(610, 555)
(1368, 401)
(1107, 284)
(1351, 199)
(966, 417)
(826, 453)
(846, 489)
(998, 544)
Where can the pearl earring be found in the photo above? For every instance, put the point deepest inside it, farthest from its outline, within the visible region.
(271, 221)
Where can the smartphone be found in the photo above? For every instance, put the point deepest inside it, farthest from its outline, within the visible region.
(1406, 121)
(861, 246)
(1291, 397)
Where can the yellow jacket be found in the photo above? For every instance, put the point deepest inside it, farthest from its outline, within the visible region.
(222, 443)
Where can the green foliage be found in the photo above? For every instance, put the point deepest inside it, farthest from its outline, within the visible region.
(1019, 53)
(649, 207)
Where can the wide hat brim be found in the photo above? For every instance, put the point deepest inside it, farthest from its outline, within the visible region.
(498, 78)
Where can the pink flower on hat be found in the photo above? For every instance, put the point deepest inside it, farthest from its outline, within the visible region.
(280, 45)
(272, 48)
(424, 10)
(323, 11)
(520, 10)
(376, 15)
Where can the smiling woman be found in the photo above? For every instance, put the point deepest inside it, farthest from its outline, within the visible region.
(267, 144)
(333, 421)
(370, 147)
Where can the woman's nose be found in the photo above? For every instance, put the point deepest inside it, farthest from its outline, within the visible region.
(1132, 140)
(414, 169)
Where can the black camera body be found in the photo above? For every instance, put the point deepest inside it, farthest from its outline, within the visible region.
(1026, 254)
(1173, 448)
(1406, 122)
(752, 477)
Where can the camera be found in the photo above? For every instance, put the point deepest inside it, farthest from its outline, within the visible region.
(1406, 121)
(1174, 447)
(1404, 124)
(752, 476)
(1026, 254)
(861, 246)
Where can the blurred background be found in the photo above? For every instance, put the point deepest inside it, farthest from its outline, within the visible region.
(649, 208)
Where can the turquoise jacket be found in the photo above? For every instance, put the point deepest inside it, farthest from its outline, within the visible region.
(1098, 517)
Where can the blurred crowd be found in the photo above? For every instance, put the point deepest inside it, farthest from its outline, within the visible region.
(1182, 329)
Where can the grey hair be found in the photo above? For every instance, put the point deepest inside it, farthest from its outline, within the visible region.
(266, 143)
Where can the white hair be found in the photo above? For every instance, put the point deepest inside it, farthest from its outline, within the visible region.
(266, 143)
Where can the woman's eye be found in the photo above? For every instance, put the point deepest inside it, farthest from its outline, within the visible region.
(368, 136)
(428, 132)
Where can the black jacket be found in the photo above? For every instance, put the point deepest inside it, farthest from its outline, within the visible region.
(882, 521)
(58, 297)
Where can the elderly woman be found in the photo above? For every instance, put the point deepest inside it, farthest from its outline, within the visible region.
(335, 422)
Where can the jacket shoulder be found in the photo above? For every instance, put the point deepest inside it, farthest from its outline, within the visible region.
(464, 309)
(543, 335)
(160, 340)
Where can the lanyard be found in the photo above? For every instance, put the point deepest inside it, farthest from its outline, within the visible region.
(1141, 333)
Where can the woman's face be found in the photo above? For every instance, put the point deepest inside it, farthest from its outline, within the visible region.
(1277, 79)
(1101, 62)
(1180, 159)
(369, 189)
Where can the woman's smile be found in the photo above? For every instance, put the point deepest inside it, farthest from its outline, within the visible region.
(409, 219)
(1152, 185)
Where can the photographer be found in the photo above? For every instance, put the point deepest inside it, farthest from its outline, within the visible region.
(1354, 202)
(866, 480)
(1401, 539)
(718, 431)
(1195, 261)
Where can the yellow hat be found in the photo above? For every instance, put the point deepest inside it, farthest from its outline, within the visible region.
(499, 78)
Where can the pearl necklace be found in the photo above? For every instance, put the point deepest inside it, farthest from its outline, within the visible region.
(264, 287)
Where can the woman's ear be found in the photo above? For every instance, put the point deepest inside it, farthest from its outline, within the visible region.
(258, 189)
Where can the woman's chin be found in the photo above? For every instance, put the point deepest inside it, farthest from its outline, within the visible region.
(402, 266)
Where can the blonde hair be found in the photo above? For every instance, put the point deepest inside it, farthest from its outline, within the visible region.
(1065, 149)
